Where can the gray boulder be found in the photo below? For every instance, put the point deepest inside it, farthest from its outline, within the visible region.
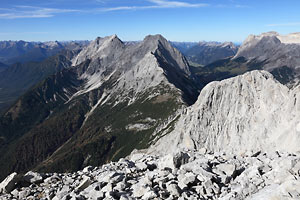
(8, 184)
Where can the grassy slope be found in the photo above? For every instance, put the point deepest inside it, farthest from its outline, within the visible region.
(104, 136)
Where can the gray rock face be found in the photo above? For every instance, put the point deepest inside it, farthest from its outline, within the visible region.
(242, 115)
(264, 176)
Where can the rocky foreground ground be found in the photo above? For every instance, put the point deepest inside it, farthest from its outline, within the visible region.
(184, 175)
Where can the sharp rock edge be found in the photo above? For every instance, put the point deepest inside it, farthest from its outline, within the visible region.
(240, 115)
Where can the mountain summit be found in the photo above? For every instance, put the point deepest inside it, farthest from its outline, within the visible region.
(99, 48)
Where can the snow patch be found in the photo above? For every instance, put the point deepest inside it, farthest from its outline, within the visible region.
(138, 127)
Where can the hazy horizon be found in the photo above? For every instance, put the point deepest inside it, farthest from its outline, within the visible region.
(140, 40)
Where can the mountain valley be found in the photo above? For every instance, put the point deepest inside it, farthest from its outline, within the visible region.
(12, 52)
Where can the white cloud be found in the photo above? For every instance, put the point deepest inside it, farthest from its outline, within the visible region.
(157, 4)
(22, 11)
(120, 8)
(241, 6)
(31, 12)
(176, 4)
(101, 1)
(231, 6)
(285, 24)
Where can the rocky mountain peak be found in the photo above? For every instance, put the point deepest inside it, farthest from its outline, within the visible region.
(165, 52)
(257, 45)
(270, 33)
(204, 43)
(251, 39)
(152, 42)
(100, 40)
(99, 48)
(52, 45)
(155, 38)
(278, 54)
(267, 41)
(229, 45)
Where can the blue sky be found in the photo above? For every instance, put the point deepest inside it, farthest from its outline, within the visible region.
(177, 20)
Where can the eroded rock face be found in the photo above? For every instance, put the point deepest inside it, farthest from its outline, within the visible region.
(201, 176)
(241, 115)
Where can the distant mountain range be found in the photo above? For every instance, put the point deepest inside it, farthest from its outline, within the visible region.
(27, 63)
(183, 46)
(16, 79)
(204, 53)
(20, 51)
(201, 53)
(27, 60)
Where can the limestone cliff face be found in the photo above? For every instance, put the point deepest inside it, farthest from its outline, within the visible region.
(247, 113)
